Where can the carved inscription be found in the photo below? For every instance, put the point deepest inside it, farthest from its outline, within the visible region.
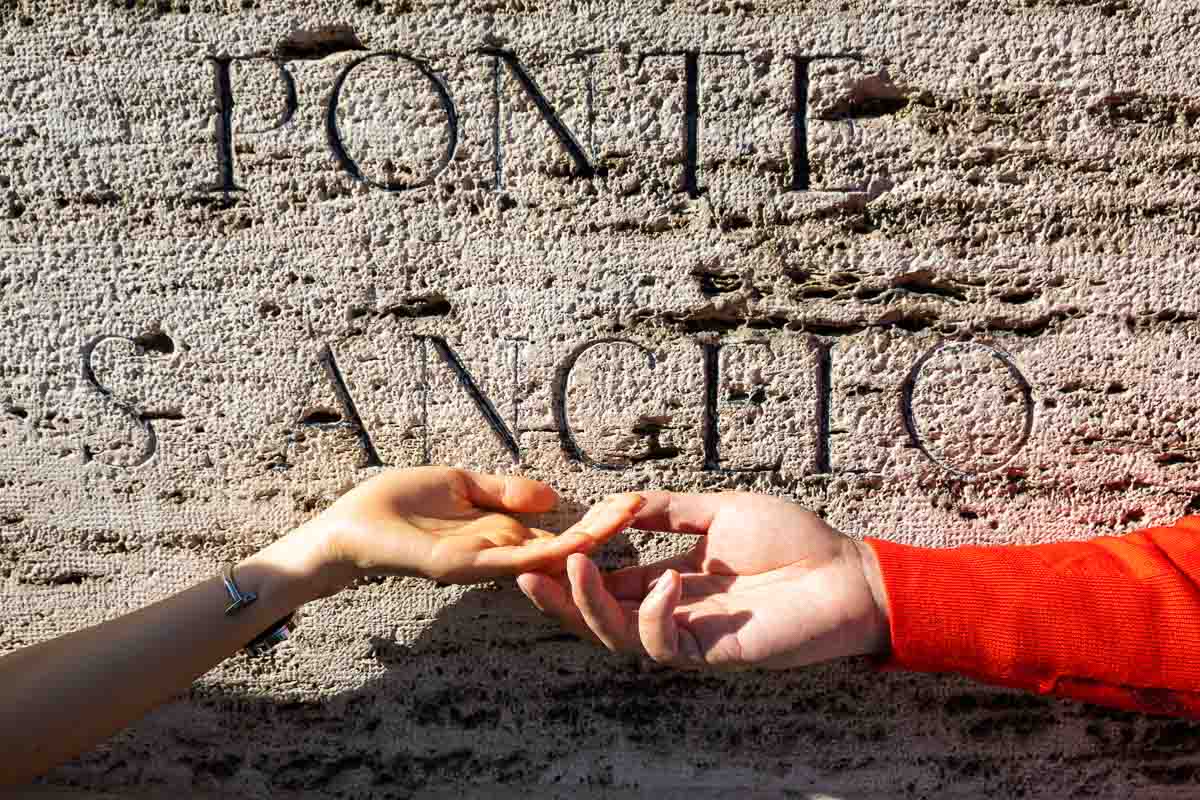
(566, 434)
(712, 416)
(223, 92)
(801, 169)
(142, 418)
(338, 146)
(965, 406)
(350, 418)
(566, 140)
(414, 73)
(486, 408)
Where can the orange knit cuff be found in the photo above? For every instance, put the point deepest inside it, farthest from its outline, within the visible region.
(1109, 612)
(945, 618)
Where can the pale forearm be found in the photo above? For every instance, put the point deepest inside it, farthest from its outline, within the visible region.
(63, 696)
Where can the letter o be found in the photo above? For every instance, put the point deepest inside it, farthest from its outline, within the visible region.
(980, 441)
(334, 135)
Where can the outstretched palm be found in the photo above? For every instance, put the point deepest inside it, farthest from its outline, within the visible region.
(768, 585)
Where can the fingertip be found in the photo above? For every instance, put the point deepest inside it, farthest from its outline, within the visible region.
(576, 565)
(576, 539)
(580, 573)
(507, 492)
(530, 584)
(656, 625)
(677, 512)
(665, 583)
(527, 583)
(609, 517)
(542, 498)
(630, 502)
(664, 586)
(528, 495)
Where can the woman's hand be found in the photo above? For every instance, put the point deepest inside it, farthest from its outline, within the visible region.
(447, 524)
(770, 585)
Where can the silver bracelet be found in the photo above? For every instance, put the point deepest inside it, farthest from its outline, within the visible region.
(239, 600)
(282, 629)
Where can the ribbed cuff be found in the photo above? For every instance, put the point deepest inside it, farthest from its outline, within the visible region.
(1110, 618)
(956, 610)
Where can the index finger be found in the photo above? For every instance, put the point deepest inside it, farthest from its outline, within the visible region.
(675, 512)
(609, 517)
(508, 492)
(534, 555)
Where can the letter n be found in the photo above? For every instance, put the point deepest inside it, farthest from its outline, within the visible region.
(485, 406)
(566, 140)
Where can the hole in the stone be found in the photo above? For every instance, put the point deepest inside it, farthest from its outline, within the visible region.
(155, 342)
(434, 305)
(714, 283)
(317, 43)
(321, 416)
(70, 578)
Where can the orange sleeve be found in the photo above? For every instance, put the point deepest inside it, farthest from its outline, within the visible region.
(1113, 620)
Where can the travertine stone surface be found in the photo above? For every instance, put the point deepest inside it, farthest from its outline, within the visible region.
(970, 318)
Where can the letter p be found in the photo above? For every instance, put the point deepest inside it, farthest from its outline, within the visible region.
(223, 94)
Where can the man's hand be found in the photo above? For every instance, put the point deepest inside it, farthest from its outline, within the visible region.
(448, 524)
(770, 585)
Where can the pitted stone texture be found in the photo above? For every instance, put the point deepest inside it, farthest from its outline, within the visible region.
(978, 327)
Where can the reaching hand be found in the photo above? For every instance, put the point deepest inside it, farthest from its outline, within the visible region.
(768, 585)
(448, 524)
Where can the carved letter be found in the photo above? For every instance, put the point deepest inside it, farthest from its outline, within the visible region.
(223, 90)
(565, 434)
(821, 350)
(562, 134)
(490, 415)
(691, 114)
(910, 386)
(350, 417)
(335, 137)
(712, 417)
(159, 342)
(800, 165)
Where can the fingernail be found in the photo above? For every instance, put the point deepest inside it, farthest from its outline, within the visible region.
(627, 497)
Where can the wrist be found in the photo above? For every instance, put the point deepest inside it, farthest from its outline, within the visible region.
(300, 567)
(878, 628)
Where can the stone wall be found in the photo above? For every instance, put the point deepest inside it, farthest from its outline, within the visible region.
(926, 268)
